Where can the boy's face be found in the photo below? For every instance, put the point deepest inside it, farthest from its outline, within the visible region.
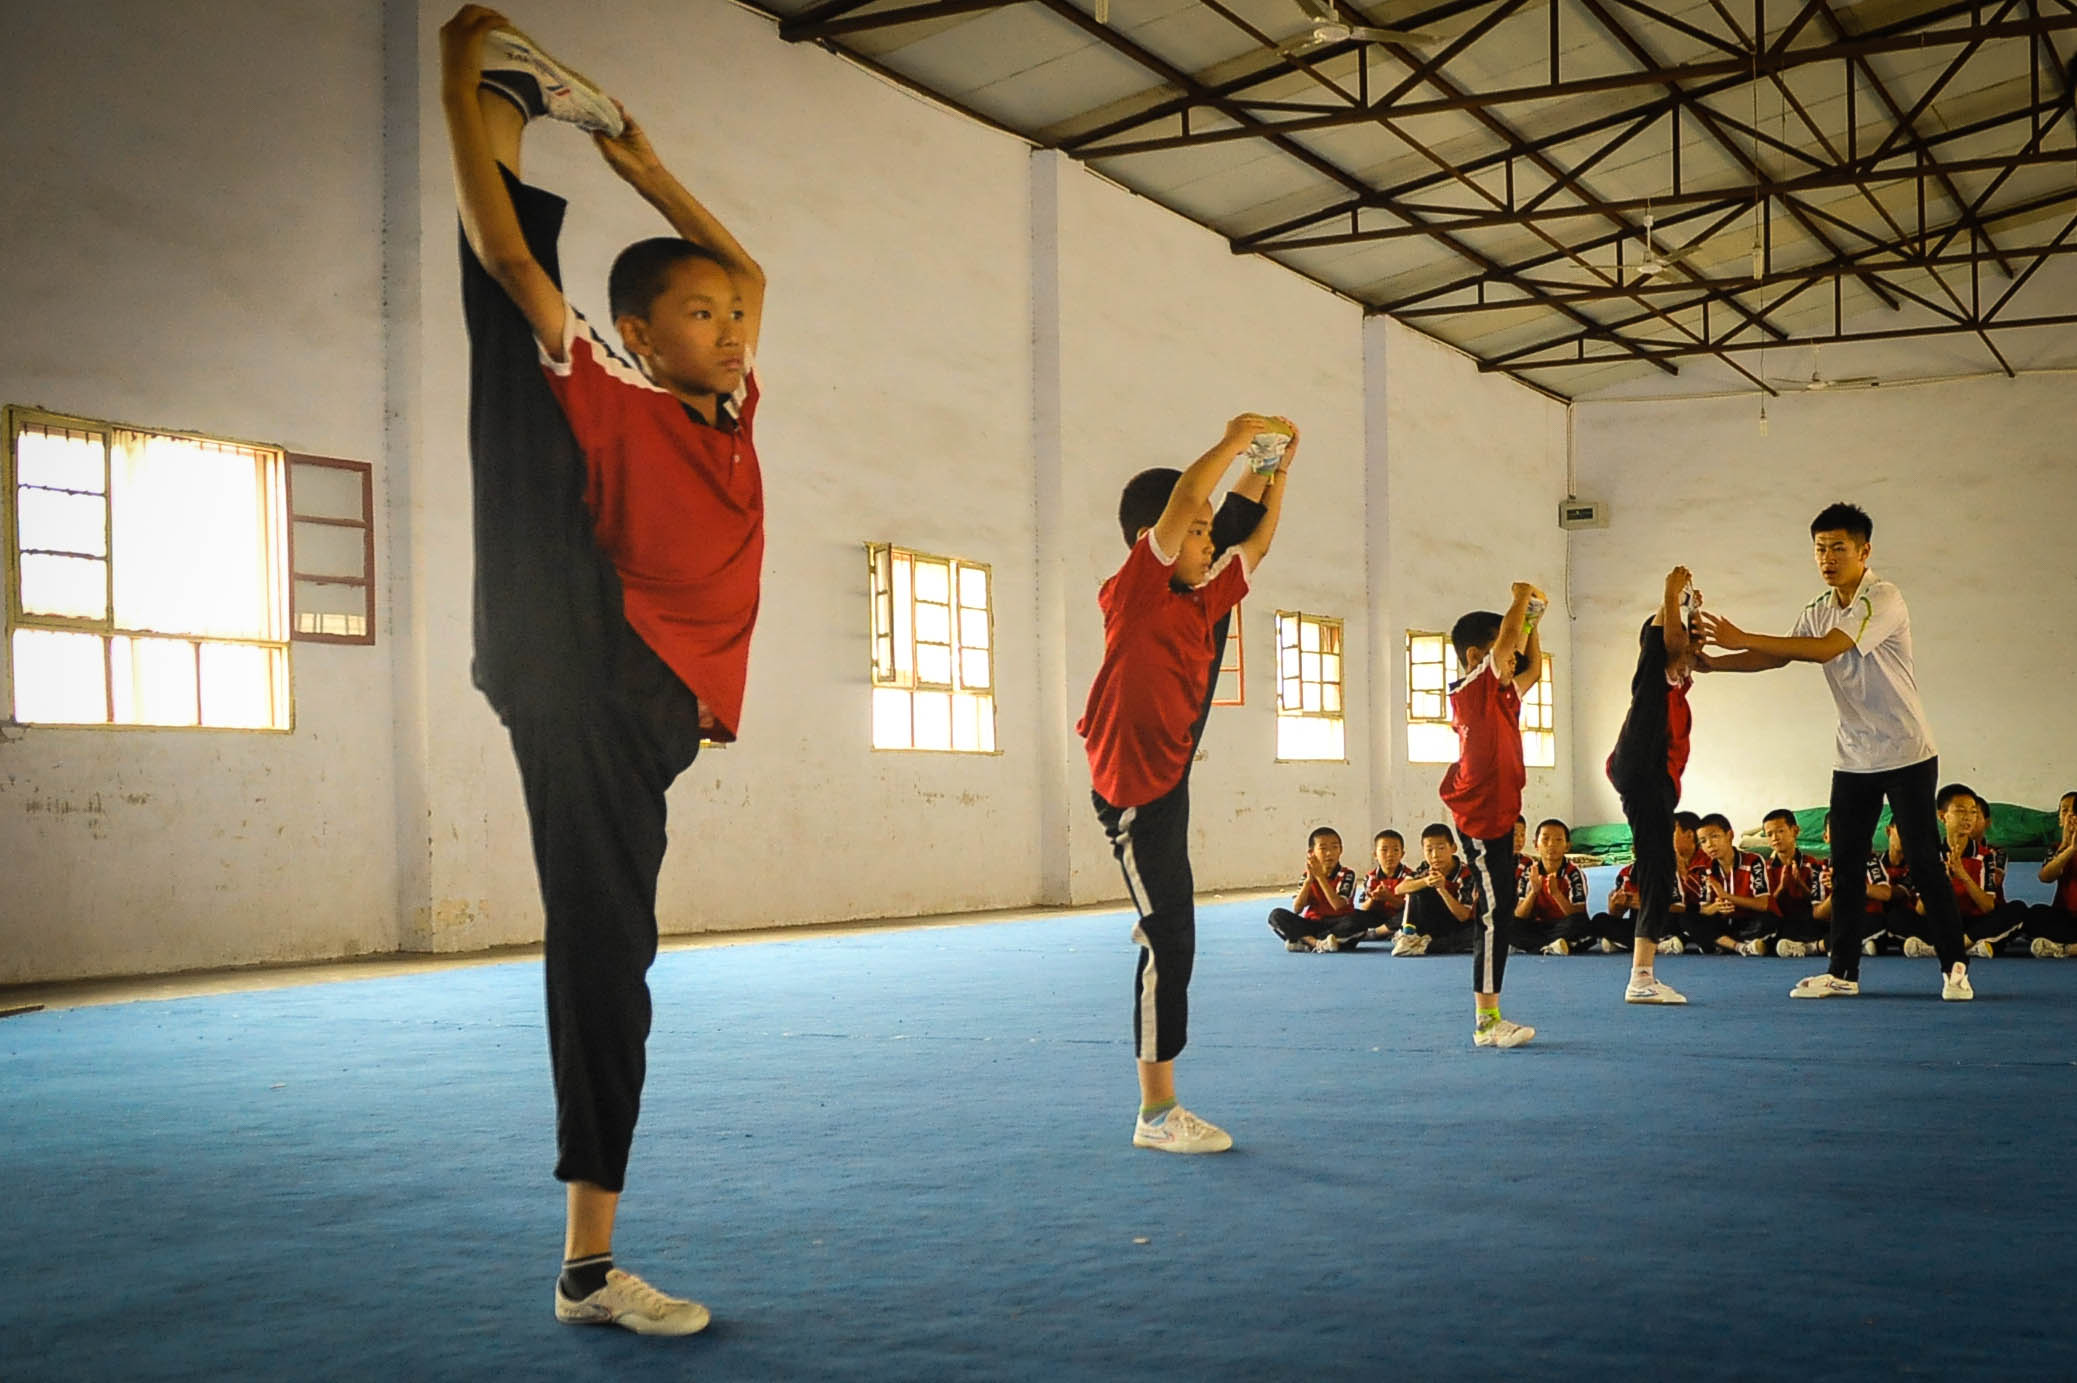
(1440, 852)
(2066, 813)
(1782, 836)
(1195, 560)
(1828, 835)
(1717, 842)
(692, 340)
(1390, 853)
(1326, 851)
(1683, 843)
(1521, 834)
(1962, 817)
(1841, 558)
(1551, 845)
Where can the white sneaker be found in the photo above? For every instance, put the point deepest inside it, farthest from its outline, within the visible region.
(1502, 1034)
(1954, 985)
(1327, 945)
(1296, 946)
(1652, 991)
(2045, 949)
(1753, 948)
(1560, 947)
(1180, 1131)
(1917, 949)
(1670, 946)
(1410, 944)
(1609, 948)
(1978, 949)
(632, 1304)
(1824, 986)
(565, 93)
(1794, 950)
(1869, 948)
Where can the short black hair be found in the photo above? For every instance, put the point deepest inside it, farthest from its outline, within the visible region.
(1553, 821)
(1687, 821)
(2065, 797)
(1388, 834)
(1828, 821)
(1319, 831)
(1718, 820)
(1784, 814)
(1143, 499)
(1435, 830)
(1849, 519)
(1480, 627)
(1521, 820)
(640, 271)
(1943, 798)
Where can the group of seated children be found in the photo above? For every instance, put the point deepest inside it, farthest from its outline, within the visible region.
(1731, 901)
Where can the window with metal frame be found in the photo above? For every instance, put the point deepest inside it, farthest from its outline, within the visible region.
(1232, 689)
(147, 577)
(332, 549)
(933, 651)
(1309, 703)
(1431, 668)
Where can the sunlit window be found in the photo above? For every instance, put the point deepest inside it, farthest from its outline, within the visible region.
(933, 670)
(332, 549)
(1309, 716)
(1431, 666)
(1233, 667)
(148, 577)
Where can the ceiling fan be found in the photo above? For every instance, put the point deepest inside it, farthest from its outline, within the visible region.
(1817, 383)
(1328, 27)
(1653, 260)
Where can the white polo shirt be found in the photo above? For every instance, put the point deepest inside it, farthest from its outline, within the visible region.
(1882, 724)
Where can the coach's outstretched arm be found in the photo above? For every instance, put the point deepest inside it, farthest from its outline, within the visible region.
(488, 219)
(1764, 652)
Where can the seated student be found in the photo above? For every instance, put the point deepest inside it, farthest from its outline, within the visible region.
(1551, 917)
(1976, 872)
(1522, 856)
(1444, 902)
(2053, 928)
(1792, 889)
(1734, 916)
(1615, 928)
(1873, 923)
(1619, 919)
(1377, 897)
(1900, 914)
(1325, 902)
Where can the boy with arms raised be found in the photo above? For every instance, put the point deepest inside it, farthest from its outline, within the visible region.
(1483, 788)
(619, 545)
(1146, 708)
(1859, 631)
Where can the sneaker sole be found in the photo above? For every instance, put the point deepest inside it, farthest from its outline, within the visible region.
(1184, 1148)
(1655, 1000)
(639, 1325)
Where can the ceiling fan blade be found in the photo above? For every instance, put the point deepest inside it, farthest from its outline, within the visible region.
(1300, 46)
(1320, 11)
(1418, 38)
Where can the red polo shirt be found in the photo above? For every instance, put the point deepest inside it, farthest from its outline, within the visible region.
(1483, 788)
(678, 505)
(1157, 667)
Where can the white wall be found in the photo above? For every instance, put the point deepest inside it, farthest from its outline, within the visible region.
(968, 349)
(1466, 472)
(212, 264)
(1970, 485)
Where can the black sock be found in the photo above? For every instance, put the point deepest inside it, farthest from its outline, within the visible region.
(583, 1276)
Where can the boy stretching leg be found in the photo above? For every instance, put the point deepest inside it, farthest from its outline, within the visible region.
(1483, 788)
(607, 639)
(1860, 632)
(1161, 612)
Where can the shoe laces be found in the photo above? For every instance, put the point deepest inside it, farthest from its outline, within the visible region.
(644, 1297)
(1186, 1124)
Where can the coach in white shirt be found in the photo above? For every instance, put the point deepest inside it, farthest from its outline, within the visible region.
(1861, 633)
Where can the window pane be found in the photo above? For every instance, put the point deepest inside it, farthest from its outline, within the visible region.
(1427, 706)
(1330, 698)
(973, 669)
(1290, 694)
(1309, 636)
(904, 625)
(933, 623)
(72, 587)
(1540, 749)
(1330, 668)
(1312, 696)
(973, 628)
(324, 607)
(933, 581)
(1308, 737)
(326, 492)
(966, 723)
(60, 679)
(192, 538)
(933, 664)
(1427, 676)
(154, 682)
(1289, 660)
(987, 745)
(324, 549)
(973, 587)
(58, 522)
(890, 718)
(238, 687)
(60, 461)
(1309, 666)
(933, 720)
